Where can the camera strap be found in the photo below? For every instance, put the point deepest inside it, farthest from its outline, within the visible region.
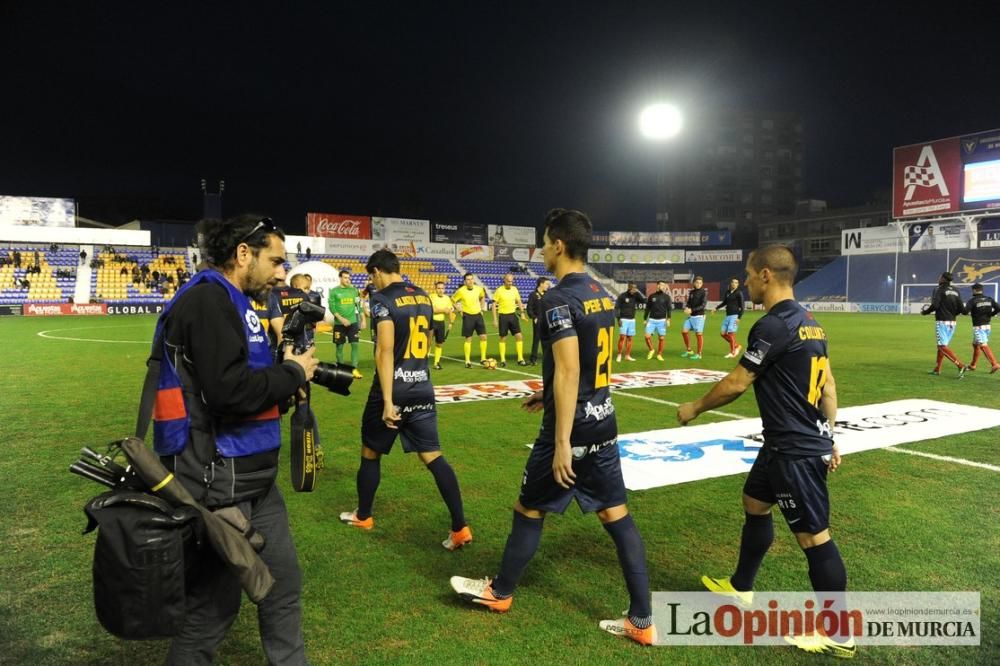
(304, 440)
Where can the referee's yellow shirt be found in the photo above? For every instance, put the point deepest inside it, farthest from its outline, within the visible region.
(440, 302)
(471, 299)
(506, 299)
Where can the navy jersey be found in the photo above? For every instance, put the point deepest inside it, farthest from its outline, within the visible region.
(982, 308)
(579, 306)
(288, 298)
(733, 302)
(410, 311)
(696, 301)
(787, 351)
(627, 304)
(946, 304)
(658, 306)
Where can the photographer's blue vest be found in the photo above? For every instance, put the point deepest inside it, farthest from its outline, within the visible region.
(171, 418)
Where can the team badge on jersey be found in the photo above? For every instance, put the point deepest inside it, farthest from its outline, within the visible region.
(757, 352)
(559, 318)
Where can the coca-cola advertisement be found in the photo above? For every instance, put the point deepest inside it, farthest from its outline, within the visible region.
(331, 225)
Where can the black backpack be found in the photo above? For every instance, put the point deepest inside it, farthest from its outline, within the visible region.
(144, 553)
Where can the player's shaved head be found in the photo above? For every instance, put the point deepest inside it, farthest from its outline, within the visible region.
(776, 258)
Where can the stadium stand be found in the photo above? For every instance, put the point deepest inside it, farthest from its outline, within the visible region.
(421, 272)
(53, 282)
(137, 275)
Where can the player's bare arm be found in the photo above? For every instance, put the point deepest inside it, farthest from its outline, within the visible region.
(383, 364)
(731, 387)
(566, 383)
(828, 405)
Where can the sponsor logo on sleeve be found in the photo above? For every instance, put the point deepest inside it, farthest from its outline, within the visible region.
(559, 318)
(757, 352)
(379, 311)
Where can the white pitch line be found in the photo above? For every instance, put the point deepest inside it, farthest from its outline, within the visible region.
(960, 461)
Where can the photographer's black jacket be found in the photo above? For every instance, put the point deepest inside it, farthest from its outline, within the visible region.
(207, 325)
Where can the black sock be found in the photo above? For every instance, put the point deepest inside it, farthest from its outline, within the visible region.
(758, 533)
(826, 568)
(369, 475)
(829, 579)
(525, 534)
(632, 557)
(447, 483)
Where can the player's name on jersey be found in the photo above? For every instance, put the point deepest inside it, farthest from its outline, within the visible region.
(677, 455)
(418, 299)
(453, 393)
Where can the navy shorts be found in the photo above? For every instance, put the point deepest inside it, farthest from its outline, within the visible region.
(440, 331)
(418, 430)
(599, 484)
(796, 485)
(342, 334)
(473, 324)
(508, 323)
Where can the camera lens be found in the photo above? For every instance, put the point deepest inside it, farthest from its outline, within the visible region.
(334, 377)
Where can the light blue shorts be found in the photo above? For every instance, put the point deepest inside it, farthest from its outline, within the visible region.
(945, 329)
(730, 324)
(981, 335)
(695, 323)
(656, 326)
(627, 327)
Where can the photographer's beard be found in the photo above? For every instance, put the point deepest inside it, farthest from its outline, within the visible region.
(258, 285)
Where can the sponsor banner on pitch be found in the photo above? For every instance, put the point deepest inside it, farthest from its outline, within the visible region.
(677, 455)
(869, 618)
(44, 309)
(926, 178)
(10, 310)
(401, 229)
(505, 234)
(332, 225)
(135, 308)
(454, 393)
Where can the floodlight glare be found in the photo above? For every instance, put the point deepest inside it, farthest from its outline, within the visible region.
(660, 121)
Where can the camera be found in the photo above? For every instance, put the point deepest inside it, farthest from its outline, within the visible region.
(297, 333)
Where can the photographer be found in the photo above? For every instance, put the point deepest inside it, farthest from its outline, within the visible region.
(216, 427)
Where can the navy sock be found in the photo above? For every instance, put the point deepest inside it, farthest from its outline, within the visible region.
(447, 483)
(826, 568)
(369, 475)
(829, 579)
(632, 557)
(758, 533)
(525, 534)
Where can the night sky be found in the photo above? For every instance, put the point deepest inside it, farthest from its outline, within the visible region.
(484, 112)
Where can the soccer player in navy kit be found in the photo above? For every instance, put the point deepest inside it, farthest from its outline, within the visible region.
(628, 302)
(946, 304)
(982, 309)
(786, 361)
(658, 309)
(733, 302)
(695, 308)
(576, 453)
(401, 401)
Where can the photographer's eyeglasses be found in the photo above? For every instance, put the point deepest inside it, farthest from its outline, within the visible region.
(265, 223)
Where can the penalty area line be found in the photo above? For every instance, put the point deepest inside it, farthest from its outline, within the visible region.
(934, 456)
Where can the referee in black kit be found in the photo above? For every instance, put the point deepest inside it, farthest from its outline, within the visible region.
(787, 362)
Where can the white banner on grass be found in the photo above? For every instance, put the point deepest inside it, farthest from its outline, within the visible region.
(677, 455)
(453, 393)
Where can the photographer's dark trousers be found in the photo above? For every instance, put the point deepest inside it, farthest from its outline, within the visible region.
(215, 596)
(536, 339)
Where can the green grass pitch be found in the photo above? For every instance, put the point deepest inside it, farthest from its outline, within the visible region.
(901, 522)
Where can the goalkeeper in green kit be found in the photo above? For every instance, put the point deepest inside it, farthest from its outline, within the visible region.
(348, 318)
